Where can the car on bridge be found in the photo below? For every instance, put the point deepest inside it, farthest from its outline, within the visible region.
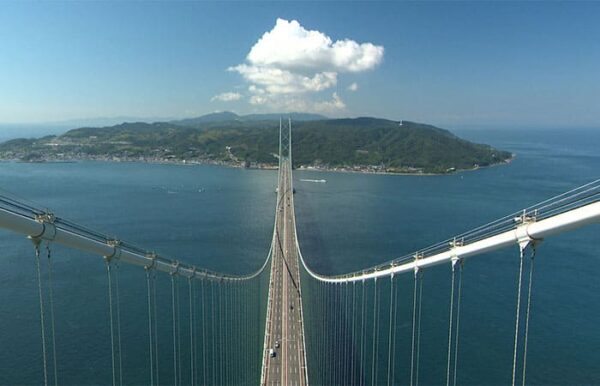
(272, 353)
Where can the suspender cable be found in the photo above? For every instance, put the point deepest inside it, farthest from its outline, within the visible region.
(414, 324)
(41, 301)
(196, 333)
(221, 327)
(353, 357)
(227, 332)
(151, 344)
(339, 343)
(451, 317)
(233, 335)
(347, 341)
(241, 316)
(342, 329)
(395, 318)
(237, 313)
(518, 314)
(460, 272)
(177, 302)
(390, 380)
(374, 353)
(320, 332)
(416, 328)
(362, 337)
(213, 335)
(223, 332)
(527, 316)
(334, 341)
(344, 336)
(419, 329)
(326, 334)
(118, 323)
(191, 332)
(203, 299)
(51, 298)
(112, 334)
(331, 327)
(153, 282)
(174, 328)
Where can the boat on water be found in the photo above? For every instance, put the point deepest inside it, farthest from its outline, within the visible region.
(317, 181)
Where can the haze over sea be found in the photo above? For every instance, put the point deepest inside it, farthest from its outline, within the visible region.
(222, 219)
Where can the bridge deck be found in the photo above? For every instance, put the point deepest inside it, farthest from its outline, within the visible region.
(284, 323)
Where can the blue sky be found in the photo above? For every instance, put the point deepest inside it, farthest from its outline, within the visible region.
(453, 64)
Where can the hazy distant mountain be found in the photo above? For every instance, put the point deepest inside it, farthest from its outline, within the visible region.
(27, 130)
(227, 116)
(297, 117)
(213, 117)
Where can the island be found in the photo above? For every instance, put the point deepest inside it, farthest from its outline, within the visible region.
(352, 144)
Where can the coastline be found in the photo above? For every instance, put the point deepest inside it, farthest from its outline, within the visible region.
(456, 171)
(238, 165)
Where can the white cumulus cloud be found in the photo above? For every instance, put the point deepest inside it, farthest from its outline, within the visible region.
(274, 80)
(290, 46)
(227, 97)
(289, 65)
(353, 87)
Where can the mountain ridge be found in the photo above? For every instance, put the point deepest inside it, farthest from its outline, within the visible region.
(359, 144)
(225, 116)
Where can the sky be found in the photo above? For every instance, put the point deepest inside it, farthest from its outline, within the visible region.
(488, 64)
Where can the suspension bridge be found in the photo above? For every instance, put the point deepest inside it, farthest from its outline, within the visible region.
(286, 324)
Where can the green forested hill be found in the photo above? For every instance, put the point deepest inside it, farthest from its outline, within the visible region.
(361, 143)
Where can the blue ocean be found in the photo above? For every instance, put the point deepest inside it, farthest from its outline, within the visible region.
(222, 219)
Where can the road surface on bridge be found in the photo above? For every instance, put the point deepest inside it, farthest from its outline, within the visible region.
(284, 317)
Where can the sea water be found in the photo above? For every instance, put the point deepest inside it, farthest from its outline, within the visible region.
(222, 218)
